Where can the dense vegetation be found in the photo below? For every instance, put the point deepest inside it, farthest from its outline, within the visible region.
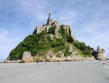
(52, 30)
(65, 36)
(42, 42)
(86, 50)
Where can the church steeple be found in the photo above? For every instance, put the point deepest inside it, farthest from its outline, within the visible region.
(49, 15)
(49, 20)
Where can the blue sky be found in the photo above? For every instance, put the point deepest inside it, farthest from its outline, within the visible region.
(89, 20)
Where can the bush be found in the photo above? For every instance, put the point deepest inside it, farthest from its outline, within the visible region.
(67, 53)
(52, 30)
(86, 50)
(69, 39)
(35, 44)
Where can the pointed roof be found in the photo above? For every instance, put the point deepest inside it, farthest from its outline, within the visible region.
(49, 15)
(49, 20)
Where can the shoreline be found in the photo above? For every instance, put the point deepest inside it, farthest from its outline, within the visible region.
(20, 61)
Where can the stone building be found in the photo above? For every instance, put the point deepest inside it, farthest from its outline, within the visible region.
(99, 54)
(51, 23)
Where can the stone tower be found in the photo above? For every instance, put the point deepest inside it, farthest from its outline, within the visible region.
(49, 20)
(99, 54)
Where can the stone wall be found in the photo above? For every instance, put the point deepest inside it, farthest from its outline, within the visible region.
(69, 31)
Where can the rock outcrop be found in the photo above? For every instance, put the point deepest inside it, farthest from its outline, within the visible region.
(27, 57)
(55, 57)
(99, 54)
(51, 23)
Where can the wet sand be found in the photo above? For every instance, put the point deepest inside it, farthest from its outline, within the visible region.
(55, 72)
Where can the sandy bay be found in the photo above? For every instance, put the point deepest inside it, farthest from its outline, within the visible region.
(55, 72)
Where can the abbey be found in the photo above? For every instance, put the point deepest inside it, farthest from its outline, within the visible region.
(54, 42)
(51, 23)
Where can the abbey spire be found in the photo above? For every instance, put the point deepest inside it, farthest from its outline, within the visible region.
(49, 20)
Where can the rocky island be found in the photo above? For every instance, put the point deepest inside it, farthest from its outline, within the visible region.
(53, 42)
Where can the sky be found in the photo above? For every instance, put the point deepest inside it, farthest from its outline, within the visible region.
(89, 20)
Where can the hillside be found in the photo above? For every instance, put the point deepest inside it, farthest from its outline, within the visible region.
(51, 40)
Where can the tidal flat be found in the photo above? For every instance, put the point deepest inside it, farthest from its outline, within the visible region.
(55, 72)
